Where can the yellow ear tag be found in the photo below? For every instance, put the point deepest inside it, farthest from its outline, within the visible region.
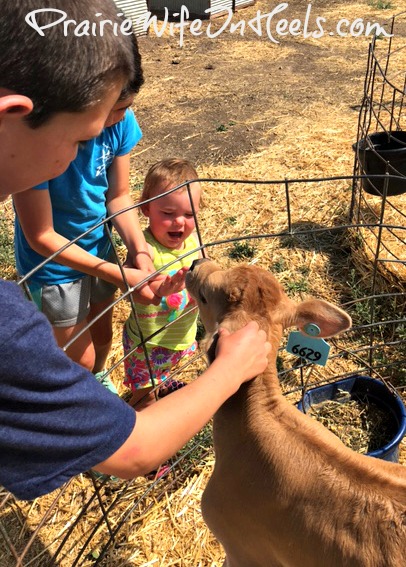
(311, 348)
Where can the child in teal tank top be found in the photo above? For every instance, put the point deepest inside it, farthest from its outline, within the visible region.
(172, 245)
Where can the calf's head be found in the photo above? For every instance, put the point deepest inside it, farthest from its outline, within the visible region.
(233, 297)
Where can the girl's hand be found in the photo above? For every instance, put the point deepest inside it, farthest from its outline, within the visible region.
(152, 291)
(171, 284)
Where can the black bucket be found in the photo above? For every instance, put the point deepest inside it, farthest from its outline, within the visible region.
(381, 153)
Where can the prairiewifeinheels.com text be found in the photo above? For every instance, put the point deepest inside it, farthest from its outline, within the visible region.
(273, 25)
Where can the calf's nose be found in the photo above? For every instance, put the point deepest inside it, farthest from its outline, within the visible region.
(197, 262)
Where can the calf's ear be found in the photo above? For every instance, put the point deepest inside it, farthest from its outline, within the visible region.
(330, 319)
(235, 294)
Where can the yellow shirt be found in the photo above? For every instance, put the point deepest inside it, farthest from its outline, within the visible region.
(181, 333)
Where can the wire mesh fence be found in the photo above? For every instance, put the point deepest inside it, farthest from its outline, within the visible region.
(319, 253)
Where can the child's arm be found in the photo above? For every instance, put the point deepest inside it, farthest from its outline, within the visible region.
(127, 224)
(163, 284)
(34, 210)
(239, 357)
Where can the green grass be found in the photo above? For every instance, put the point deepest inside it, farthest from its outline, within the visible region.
(194, 449)
(225, 127)
(231, 220)
(117, 240)
(380, 310)
(200, 330)
(279, 266)
(242, 251)
(381, 4)
(299, 286)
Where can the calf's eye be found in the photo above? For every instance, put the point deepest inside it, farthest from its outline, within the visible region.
(202, 298)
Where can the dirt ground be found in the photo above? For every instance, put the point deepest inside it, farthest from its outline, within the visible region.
(224, 101)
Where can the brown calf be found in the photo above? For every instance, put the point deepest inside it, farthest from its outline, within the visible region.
(285, 492)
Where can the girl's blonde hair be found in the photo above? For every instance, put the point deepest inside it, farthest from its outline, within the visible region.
(166, 174)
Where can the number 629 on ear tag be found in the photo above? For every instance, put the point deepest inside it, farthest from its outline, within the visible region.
(312, 349)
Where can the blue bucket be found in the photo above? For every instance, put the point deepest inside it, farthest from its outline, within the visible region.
(375, 391)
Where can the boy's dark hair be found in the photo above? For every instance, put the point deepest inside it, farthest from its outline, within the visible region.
(63, 73)
(137, 80)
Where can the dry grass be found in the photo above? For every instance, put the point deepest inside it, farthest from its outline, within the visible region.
(310, 138)
(361, 425)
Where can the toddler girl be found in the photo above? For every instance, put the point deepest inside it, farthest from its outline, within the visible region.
(169, 236)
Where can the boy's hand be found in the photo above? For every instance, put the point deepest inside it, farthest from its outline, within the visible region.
(245, 351)
(153, 290)
(144, 295)
(142, 261)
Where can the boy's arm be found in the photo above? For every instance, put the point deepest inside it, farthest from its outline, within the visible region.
(34, 210)
(240, 356)
(127, 224)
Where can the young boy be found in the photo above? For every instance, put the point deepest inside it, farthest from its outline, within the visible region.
(57, 420)
(56, 90)
(79, 285)
(172, 245)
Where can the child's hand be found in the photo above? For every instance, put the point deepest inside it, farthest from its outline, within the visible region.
(142, 261)
(171, 284)
(144, 294)
(154, 289)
